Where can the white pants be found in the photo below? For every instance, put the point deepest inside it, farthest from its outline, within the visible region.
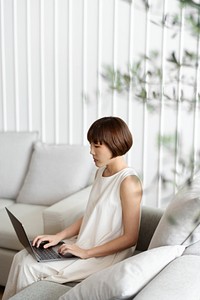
(25, 270)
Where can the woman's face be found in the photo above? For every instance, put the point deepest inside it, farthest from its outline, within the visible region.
(101, 154)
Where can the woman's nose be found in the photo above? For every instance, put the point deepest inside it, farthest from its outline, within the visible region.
(92, 150)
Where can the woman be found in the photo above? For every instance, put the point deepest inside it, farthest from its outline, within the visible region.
(108, 232)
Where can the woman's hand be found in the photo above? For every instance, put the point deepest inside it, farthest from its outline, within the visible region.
(73, 249)
(51, 240)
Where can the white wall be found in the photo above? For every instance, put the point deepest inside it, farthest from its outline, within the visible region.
(52, 55)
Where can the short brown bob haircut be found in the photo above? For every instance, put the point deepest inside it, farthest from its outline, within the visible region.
(113, 132)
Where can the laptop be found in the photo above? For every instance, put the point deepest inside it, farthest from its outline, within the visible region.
(40, 254)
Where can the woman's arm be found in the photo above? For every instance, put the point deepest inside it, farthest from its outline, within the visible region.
(67, 233)
(131, 194)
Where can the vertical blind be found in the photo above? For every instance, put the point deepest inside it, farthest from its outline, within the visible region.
(54, 62)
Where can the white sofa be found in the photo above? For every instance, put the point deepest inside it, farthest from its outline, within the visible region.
(159, 275)
(165, 266)
(162, 268)
(45, 186)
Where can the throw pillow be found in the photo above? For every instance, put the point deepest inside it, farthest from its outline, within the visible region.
(179, 223)
(126, 278)
(55, 172)
(15, 154)
(194, 248)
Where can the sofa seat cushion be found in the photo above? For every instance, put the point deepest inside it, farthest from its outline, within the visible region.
(124, 279)
(180, 221)
(6, 203)
(31, 218)
(42, 290)
(15, 153)
(179, 280)
(55, 172)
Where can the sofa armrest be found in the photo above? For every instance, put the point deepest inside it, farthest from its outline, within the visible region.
(179, 280)
(65, 212)
(150, 218)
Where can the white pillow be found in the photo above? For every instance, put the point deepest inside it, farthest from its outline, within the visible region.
(55, 172)
(126, 278)
(179, 223)
(15, 154)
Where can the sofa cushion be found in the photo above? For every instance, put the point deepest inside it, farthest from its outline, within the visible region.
(31, 218)
(64, 213)
(126, 278)
(15, 153)
(180, 221)
(193, 249)
(55, 172)
(179, 280)
(42, 290)
(6, 203)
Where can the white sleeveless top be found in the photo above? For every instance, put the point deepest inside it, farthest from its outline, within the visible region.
(103, 218)
(102, 223)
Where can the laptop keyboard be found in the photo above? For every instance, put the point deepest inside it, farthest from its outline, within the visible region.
(47, 254)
